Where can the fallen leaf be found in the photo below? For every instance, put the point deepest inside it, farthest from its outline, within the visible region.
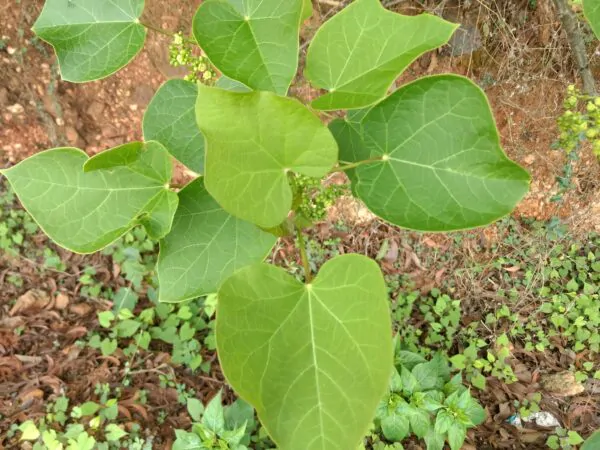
(512, 269)
(81, 309)
(30, 302)
(392, 254)
(61, 301)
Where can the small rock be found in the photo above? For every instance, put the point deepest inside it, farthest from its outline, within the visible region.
(11, 50)
(61, 301)
(17, 108)
(72, 135)
(95, 109)
(133, 107)
(562, 384)
(3, 97)
(60, 121)
(529, 159)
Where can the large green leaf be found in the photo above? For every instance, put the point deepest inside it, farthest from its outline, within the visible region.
(442, 167)
(205, 246)
(591, 9)
(85, 211)
(314, 360)
(359, 53)
(252, 41)
(171, 120)
(253, 140)
(593, 442)
(92, 38)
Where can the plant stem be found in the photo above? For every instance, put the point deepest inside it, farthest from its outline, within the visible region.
(165, 32)
(575, 37)
(345, 167)
(303, 255)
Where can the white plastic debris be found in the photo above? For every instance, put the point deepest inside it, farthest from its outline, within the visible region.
(543, 419)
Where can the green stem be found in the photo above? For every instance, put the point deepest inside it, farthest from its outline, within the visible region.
(345, 167)
(165, 32)
(303, 255)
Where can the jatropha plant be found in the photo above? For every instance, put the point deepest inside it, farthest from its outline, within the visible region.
(313, 358)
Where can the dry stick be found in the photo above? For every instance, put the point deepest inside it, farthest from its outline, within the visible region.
(571, 26)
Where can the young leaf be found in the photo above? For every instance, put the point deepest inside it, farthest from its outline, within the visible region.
(238, 414)
(442, 167)
(86, 211)
(213, 417)
(125, 298)
(195, 409)
(114, 432)
(591, 9)
(187, 441)
(359, 53)
(29, 431)
(92, 39)
(419, 420)
(248, 159)
(205, 246)
(171, 120)
(254, 41)
(160, 213)
(314, 359)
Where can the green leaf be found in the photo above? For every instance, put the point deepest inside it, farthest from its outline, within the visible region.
(410, 384)
(195, 408)
(427, 375)
(395, 427)
(84, 211)
(92, 39)
(125, 298)
(593, 442)
(232, 85)
(158, 219)
(248, 160)
(419, 420)
(433, 440)
(475, 412)
(113, 432)
(89, 409)
(441, 166)
(479, 381)
(307, 10)
(171, 120)
(591, 9)
(574, 438)
(456, 436)
(108, 346)
(127, 328)
(359, 53)
(105, 318)
(29, 431)
(254, 41)
(314, 360)
(205, 246)
(213, 417)
(187, 441)
(238, 414)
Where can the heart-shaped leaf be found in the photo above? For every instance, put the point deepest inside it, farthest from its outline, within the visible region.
(86, 211)
(591, 9)
(253, 140)
(205, 246)
(92, 38)
(254, 41)
(431, 177)
(314, 360)
(359, 53)
(171, 120)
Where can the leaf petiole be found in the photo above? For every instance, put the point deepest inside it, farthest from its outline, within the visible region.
(349, 166)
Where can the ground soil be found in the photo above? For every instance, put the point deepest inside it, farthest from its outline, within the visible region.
(523, 65)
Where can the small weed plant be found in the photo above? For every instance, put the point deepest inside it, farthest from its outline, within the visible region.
(426, 157)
